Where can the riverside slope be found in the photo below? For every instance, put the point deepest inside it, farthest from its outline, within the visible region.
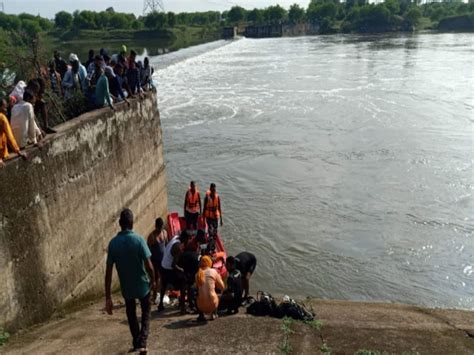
(347, 328)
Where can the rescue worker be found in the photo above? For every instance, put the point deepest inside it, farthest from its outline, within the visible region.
(192, 206)
(212, 209)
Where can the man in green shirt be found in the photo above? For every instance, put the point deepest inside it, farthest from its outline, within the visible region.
(102, 91)
(131, 256)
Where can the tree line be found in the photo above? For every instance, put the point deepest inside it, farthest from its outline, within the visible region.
(352, 15)
(330, 15)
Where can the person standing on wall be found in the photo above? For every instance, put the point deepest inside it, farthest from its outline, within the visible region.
(212, 209)
(192, 206)
(131, 256)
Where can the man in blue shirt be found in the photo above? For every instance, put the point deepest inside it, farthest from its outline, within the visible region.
(131, 256)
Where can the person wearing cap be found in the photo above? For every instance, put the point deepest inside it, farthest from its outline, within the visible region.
(75, 78)
(120, 57)
(114, 85)
(102, 91)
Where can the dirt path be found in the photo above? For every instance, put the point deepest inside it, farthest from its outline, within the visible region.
(347, 327)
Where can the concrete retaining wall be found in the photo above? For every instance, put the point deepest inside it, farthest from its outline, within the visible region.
(59, 209)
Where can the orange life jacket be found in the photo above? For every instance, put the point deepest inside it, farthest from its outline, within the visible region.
(192, 201)
(212, 206)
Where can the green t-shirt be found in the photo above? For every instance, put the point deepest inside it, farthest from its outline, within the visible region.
(102, 92)
(129, 251)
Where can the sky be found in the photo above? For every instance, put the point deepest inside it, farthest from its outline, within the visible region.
(48, 8)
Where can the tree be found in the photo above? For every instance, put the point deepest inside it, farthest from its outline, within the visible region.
(236, 14)
(9, 22)
(413, 15)
(63, 20)
(156, 20)
(31, 27)
(255, 16)
(84, 20)
(171, 19)
(137, 25)
(119, 21)
(317, 11)
(275, 14)
(393, 6)
(45, 24)
(296, 14)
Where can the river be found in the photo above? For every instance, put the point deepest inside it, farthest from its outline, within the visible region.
(344, 162)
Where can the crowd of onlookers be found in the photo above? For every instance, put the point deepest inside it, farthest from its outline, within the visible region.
(101, 81)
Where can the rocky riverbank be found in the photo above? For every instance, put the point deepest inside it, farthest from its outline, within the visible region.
(344, 328)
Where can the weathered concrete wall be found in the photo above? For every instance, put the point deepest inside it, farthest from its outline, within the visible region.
(59, 209)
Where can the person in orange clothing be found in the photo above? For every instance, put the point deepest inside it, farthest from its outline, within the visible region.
(207, 280)
(6, 135)
(192, 206)
(212, 209)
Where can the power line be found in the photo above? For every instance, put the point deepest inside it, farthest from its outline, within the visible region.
(153, 5)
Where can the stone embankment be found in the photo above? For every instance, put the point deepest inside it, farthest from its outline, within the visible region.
(59, 209)
(347, 327)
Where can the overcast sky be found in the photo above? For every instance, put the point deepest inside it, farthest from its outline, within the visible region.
(47, 8)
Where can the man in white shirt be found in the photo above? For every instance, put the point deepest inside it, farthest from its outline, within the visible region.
(23, 121)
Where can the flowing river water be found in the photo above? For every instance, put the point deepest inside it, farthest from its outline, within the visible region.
(344, 162)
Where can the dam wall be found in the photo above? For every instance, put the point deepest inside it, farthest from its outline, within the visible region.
(60, 208)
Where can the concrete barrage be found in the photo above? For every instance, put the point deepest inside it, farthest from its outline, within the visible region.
(59, 210)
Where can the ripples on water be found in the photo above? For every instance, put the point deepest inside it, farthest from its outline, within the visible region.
(344, 162)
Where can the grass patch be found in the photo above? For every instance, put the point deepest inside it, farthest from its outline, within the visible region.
(325, 349)
(285, 347)
(426, 24)
(316, 324)
(4, 336)
(286, 326)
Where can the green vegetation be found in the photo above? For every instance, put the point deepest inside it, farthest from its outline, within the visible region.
(315, 324)
(4, 336)
(370, 352)
(196, 27)
(355, 15)
(325, 349)
(285, 347)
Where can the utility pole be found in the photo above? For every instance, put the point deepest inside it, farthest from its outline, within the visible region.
(153, 5)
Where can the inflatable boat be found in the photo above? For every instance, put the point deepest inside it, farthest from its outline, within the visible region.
(212, 245)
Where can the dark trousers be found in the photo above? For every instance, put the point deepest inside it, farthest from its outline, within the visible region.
(212, 223)
(139, 334)
(191, 219)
